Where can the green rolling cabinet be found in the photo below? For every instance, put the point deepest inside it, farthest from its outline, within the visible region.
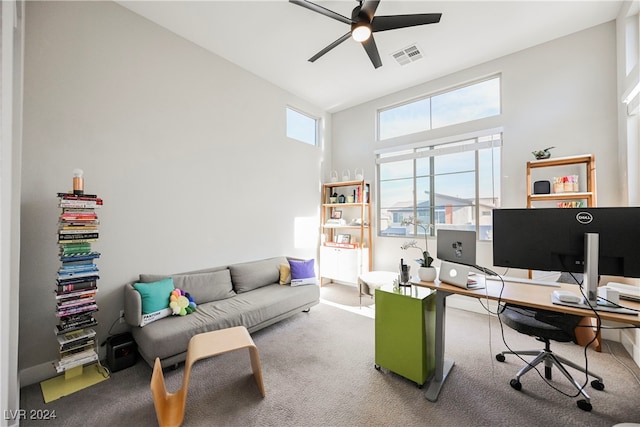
(405, 332)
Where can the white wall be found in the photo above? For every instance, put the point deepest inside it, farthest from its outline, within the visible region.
(628, 69)
(187, 150)
(561, 93)
(11, 45)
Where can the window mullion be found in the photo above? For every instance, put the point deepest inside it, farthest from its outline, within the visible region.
(415, 195)
(432, 193)
(476, 208)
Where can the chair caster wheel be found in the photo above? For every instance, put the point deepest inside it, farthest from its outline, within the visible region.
(500, 357)
(377, 367)
(516, 384)
(584, 405)
(598, 385)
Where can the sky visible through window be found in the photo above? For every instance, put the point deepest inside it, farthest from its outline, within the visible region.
(302, 127)
(444, 180)
(460, 105)
(451, 172)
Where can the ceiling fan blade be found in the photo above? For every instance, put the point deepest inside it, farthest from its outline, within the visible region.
(384, 23)
(372, 50)
(323, 11)
(369, 8)
(331, 46)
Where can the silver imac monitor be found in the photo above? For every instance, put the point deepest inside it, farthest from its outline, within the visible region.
(457, 246)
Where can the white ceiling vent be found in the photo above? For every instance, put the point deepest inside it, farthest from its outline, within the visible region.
(408, 55)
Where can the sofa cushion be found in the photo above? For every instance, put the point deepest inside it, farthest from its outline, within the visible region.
(155, 300)
(302, 272)
(155, 295)
(203, 287)
(285, 274)
(247, 276)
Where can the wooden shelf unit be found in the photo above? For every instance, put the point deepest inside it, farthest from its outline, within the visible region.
(346, 262)
(588, 160)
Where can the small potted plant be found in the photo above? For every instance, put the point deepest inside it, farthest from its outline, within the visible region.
(426, 272)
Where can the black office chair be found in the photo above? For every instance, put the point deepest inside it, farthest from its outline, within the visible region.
(545, 326)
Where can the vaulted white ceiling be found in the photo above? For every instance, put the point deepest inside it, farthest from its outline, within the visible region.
(274, 39)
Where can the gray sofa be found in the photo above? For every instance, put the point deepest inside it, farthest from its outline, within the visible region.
(248, 294)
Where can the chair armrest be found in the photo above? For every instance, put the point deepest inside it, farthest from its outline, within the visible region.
(132, 305)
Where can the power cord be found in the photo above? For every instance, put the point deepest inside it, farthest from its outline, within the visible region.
(535, 367)
(633, 374)
(110, 332)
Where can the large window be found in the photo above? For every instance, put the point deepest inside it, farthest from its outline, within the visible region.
(302, 127)
(453, 185)
(463, 104)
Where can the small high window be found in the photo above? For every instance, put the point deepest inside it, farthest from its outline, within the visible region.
(302, 127)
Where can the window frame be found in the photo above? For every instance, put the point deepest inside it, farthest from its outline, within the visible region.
(316, 121)
(429, 97)
(433, 149)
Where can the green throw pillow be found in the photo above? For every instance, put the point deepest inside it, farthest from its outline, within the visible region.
(155, 295)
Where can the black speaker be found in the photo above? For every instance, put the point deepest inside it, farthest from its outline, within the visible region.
(541, 187)
(122, 352)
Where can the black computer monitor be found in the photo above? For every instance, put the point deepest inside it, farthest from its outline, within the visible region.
(592, 241)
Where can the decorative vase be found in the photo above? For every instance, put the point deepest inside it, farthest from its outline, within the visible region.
(427, 274)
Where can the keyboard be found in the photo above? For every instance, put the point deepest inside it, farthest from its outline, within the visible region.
(524, 280)
(628, 292)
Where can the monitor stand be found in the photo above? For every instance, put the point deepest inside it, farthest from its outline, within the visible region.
(596, 307)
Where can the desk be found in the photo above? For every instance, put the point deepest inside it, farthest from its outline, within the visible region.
(536, 296)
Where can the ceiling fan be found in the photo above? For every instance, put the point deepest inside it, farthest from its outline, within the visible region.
(363, 23)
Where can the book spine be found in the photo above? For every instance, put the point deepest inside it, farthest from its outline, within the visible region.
(78, 267)
(66, 275)
(74, 248)
(77, 236)
(71, 196)
(84, 309)
(75, 280)
(67, 304)
(76, 335)
(78, 240)
(76, 294)
(76, 345)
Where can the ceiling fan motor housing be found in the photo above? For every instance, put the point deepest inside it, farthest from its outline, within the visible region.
(362, 25)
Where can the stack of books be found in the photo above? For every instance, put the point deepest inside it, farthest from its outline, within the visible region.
(76, 348)
(77, 280)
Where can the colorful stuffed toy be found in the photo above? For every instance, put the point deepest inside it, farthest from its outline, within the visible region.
(181, 303)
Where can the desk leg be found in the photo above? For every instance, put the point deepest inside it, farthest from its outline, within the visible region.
(443, 367)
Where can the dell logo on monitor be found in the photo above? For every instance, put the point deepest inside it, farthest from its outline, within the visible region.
(584, 217)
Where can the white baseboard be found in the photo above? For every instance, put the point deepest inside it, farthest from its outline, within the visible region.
(37, 373)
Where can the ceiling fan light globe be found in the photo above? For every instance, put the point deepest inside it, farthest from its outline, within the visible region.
(361, 33)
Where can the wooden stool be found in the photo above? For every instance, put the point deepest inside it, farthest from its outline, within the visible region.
(170, 406)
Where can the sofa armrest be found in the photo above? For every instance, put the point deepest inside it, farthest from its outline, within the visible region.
(132, 305)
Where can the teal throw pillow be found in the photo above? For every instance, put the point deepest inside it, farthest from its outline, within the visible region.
(155, 295)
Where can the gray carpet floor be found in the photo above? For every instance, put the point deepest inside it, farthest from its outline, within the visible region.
(318, 370)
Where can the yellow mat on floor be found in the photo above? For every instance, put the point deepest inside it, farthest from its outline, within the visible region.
(73, 380)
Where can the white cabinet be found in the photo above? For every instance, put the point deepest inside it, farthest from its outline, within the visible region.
(343, 265)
